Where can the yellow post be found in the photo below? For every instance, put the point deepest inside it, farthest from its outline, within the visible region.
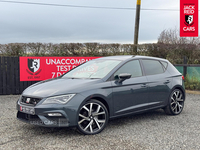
(137, 20)
(138, 2)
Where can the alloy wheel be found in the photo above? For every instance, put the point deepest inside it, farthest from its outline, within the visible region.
(92, 117)
(177, 101)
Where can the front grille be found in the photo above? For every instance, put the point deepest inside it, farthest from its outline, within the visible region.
(30, 100)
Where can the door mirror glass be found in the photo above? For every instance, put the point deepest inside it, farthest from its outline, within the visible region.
(123, 76)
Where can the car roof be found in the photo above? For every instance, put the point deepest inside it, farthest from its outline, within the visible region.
(149, 57)
(127, 57)
(120, 57)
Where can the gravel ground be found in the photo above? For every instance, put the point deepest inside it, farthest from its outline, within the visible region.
(152, 130)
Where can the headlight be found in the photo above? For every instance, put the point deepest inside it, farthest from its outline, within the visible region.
(20, 98)
(59, 99)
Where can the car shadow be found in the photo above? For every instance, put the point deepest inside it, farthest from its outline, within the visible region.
(112, 125)
(139, 118)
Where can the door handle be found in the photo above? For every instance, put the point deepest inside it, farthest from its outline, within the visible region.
(144, 85)
(166, 82)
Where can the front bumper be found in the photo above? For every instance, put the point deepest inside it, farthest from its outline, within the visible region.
(43, 120)
(40, 117)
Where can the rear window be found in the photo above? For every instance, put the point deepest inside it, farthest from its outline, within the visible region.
(152, 67)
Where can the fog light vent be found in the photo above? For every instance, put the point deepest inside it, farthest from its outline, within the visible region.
(54, 114)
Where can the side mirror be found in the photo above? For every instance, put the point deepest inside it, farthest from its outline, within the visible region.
(123, 76)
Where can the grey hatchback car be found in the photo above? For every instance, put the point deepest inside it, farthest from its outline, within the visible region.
(104, 88)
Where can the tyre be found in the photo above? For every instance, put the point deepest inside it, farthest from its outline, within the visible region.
(92, 117)
(176, 103)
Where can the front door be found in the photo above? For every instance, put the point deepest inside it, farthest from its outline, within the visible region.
(131, 95)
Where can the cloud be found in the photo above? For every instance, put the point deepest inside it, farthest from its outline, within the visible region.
(34, 23)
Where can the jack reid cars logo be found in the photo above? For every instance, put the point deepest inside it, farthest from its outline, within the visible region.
(189, 20)
(33, 66)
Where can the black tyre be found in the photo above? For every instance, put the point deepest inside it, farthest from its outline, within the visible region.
(176, 103)
(92, 117)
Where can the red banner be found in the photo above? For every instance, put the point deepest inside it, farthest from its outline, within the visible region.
(189, 18)
(42, 68)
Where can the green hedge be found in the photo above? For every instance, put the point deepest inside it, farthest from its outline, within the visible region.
(173, 52)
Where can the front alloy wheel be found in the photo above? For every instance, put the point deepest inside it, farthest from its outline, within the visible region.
(92, 117)
(176, 103)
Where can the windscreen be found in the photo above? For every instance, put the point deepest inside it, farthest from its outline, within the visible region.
(97, 68)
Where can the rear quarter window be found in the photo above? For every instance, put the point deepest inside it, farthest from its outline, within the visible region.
(164, 64)
(152, 67)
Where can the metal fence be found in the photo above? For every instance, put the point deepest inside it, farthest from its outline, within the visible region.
(191, 71)
(10, 77)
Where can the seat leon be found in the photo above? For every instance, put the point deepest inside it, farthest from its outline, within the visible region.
(89, 95)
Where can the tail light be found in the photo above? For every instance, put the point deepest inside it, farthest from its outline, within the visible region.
(183, 78)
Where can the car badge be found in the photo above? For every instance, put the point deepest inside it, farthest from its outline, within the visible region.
(28, 100)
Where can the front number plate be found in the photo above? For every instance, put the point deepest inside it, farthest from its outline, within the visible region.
(27, 110)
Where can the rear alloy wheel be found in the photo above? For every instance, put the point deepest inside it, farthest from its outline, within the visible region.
(176, 103)
(92, 117)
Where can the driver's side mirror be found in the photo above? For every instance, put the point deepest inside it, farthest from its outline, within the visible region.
(123, 76)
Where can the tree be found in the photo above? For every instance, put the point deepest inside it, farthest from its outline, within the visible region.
(171, 36)
(177, 47)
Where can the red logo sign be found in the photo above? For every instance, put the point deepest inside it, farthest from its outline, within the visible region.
(42, 68)
(189, 18)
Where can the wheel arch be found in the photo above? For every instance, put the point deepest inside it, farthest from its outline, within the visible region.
(180, 88)
(172, 89)
(100, 98)
(102, 101)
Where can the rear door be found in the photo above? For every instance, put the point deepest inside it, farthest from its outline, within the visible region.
(159, 82)
(131, 95)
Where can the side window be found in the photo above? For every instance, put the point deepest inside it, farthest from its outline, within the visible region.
(131, 67)
(152, 67)
(164, 64)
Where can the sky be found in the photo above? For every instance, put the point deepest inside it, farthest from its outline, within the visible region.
(24, 23)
